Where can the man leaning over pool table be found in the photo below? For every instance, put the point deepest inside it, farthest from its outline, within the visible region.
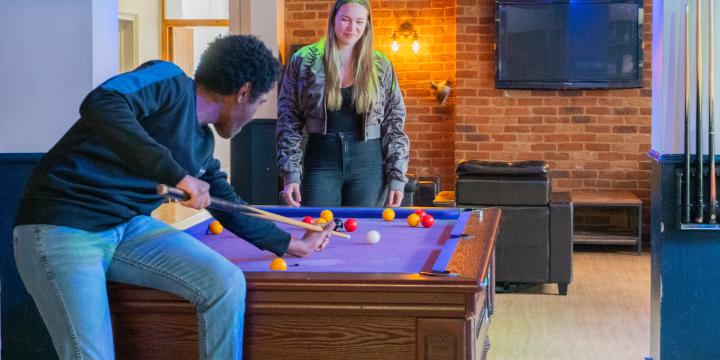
(83, 218)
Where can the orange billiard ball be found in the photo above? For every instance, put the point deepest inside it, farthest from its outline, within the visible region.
(388, 214)
(278, 264)
(327, 215)
(413, 220)
(215, 227)
(320, 221)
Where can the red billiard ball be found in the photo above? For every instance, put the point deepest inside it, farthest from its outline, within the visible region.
(420, 213)
(428, 220)
(351, 225)
(307, 220)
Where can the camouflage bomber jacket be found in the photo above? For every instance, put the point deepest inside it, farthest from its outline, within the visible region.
(301, 104)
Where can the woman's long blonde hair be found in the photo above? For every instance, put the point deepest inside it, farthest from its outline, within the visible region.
(366, 83)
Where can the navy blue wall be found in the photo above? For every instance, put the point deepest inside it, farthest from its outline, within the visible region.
(23, 334)
(685, 304)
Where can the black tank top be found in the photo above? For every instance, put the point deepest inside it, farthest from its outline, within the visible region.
(345, 118)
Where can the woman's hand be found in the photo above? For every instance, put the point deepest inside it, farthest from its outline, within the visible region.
(291, 194)
(312, 241)
(394, 198)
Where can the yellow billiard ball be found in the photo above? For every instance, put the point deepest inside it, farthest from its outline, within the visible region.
(320, 221)
(388, 214)
(215, 227)
(327, 215)
(413, 220)
(278, 264)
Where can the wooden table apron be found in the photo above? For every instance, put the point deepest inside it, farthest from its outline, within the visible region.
(321, 315)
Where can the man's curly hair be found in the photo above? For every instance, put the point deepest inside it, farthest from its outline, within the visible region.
(231, 61)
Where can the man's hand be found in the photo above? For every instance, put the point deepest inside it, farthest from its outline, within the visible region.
(311, 241)
(291, 194)
(394, 198)
(198, 190)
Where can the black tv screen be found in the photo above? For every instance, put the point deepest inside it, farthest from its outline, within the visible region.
(568, 44)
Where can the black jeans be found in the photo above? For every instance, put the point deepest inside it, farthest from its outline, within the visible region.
(342, 170)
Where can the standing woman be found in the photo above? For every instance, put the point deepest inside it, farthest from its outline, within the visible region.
(345, 94)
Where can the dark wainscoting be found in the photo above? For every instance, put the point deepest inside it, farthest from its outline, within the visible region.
(685, 275)
(23, 333)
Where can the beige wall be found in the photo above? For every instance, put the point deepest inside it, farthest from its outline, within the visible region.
(260, 18)
(149, 26)
(669, 68)
(44, 76)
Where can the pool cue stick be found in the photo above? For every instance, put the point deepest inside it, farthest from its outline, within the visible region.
(712, 202)
(271, 216)
(285, 220)
(215, 203)
(699, 151)
(229, 206)
(686, 183)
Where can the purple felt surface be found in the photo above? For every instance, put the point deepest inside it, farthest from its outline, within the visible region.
(402, 249)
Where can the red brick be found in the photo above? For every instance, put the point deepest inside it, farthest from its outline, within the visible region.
(570, 147)
(572, 110)
(544, 111)
(582, 119)
(624, 129)
(544, 147)
(597, 147)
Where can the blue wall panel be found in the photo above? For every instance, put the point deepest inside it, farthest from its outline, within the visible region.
(685, 279)
(23, 333)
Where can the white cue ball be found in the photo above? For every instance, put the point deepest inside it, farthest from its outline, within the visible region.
(373, 236)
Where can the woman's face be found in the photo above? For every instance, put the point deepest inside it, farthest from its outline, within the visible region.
(350, 24)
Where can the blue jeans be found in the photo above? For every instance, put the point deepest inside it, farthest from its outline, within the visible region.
(65, 270)
(342, 170)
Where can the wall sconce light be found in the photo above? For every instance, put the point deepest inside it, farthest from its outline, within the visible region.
(406, 31)
(442, 91)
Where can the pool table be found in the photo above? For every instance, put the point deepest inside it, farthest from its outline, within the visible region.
(419, 293)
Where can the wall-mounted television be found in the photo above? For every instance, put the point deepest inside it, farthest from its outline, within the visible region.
(568, 44)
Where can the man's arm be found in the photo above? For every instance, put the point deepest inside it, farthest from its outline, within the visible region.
(259, 232)
(114, 112)
(264, 234)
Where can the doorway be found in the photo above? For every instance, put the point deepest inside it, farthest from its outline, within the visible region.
(127, 41)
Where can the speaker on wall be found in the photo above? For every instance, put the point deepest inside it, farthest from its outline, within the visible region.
(253, 171)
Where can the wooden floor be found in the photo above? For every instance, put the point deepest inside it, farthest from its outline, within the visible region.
(606, 314)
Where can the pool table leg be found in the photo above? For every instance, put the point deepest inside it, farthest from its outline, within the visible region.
(486, 348)
(482, 345)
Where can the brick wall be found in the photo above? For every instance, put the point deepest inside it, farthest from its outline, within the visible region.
(592, 139)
